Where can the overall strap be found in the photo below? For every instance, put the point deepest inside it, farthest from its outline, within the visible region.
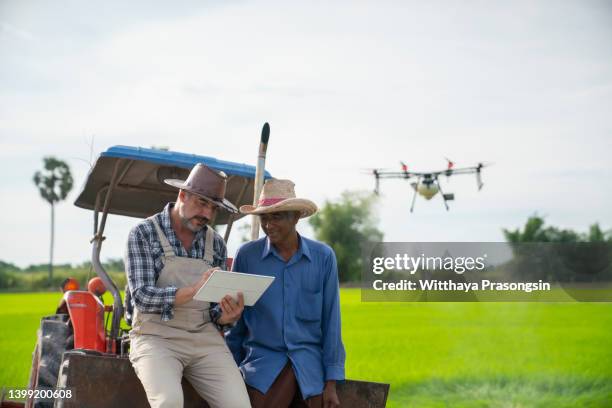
(168, 251)
(208, 245)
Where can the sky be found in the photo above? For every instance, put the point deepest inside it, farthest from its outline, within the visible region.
(345, 86)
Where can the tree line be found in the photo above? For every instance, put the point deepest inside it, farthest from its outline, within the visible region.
(35, 277)
(560, 255)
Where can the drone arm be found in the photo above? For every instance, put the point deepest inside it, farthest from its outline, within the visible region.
(463, 170)
(398, 174)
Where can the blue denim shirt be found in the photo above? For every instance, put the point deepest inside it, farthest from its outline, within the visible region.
(296, 319)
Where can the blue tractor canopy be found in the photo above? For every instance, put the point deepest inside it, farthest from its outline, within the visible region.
(139, 189)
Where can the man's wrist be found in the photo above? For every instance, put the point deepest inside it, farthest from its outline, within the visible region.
(217, 319)
(185, 294)
(330, 383)
(226, 322)
(222, 327)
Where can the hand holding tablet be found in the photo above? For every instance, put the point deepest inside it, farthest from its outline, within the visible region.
(221, 283)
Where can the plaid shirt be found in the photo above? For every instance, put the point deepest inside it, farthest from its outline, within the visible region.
(144, 262)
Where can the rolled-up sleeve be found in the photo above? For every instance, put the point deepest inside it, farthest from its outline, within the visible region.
(334, 355)
(140, 270)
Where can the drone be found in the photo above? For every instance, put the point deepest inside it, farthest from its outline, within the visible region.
(428, 184)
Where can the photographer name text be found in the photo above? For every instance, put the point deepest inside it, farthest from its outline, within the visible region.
(449, 285)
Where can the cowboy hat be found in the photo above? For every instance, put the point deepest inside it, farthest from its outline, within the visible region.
(206, 183)
(279, 195)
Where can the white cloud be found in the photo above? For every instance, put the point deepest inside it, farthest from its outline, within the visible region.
(15, 32)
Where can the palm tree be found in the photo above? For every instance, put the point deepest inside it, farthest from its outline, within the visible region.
(54, 183)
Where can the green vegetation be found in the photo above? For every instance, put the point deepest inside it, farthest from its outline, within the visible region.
(344, 225)
(482, 354)
(432, 354)
(35, 277)
(560, 255)
(534, 231)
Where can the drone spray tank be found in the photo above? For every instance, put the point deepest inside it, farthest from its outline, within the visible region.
(427, 190)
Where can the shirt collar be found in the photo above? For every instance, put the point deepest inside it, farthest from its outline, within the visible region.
(303, 249)
(166, 224)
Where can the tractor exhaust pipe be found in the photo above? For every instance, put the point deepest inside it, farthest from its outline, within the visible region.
(259, 177)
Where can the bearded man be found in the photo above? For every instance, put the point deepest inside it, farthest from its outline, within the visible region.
(169, 257)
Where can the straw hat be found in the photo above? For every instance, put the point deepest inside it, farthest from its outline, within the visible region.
(279, 195)
(206, 183)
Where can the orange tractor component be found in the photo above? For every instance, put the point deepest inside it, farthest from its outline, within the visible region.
(86, 312)
(87, 317)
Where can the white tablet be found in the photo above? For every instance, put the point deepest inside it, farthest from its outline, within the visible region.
(223, 283)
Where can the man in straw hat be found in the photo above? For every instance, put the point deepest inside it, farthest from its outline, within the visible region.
(288, 345)
(169, 257)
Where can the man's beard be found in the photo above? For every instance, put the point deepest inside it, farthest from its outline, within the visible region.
(186, 222)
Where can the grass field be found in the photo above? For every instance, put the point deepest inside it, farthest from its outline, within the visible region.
(432, 354)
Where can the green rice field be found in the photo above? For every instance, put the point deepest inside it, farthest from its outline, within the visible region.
(432, 354)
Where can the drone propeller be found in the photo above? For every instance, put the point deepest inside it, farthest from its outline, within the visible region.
(450, 164)
(372, 170)
(480, 165)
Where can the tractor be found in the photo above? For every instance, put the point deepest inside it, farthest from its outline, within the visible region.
(81, 354)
